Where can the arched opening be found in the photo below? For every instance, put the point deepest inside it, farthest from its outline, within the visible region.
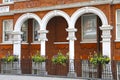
(97, 21)
(27, 43)
(56, 42)
(88, 37)
(29, 47)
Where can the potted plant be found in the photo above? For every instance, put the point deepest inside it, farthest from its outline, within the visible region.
(38, 58)
(99, 59)
(60, 59)
(99, 62)
(38, 63)
(8, 63)
(10, 58)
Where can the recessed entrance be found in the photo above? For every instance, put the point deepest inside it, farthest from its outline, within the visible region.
(29, 47)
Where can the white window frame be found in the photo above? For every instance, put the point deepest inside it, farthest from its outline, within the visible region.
(8, 1)
(8, 31)
(82, 38)
(117, 38)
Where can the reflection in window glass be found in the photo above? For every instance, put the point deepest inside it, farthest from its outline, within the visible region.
(89, 27)
(7, 1)
(7, 29)
(35, 32)
(118, 25)
(24, 29)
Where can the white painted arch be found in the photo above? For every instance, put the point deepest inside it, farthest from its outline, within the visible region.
(23, 18)
(52, 14)
(17, 31)
(84, 10)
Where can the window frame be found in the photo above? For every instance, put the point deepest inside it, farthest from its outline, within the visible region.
(83, 40)
(25, 31)
(9, 1)
(117, 38)
(8, 31)
(34, 41)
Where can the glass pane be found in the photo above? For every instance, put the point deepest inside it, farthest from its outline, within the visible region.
(89, 27)
(6, 0)
(24, 29)
(11, 0)
(8, 27)
(36, 28)
(118, 16)
(8, 24)
(118, 31)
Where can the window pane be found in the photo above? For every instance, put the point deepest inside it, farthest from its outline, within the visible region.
(8, 1)
(118, 16)
(24, 29)
(36, 28)
(118, 31)
(7, 28)
(89, 27)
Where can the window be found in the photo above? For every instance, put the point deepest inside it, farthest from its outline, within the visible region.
(24, 29)
(7, 1)
(36, 27)
(118, 25)
(7, 29)
(89, 29)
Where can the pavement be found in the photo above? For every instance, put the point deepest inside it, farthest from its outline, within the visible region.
(25, 77)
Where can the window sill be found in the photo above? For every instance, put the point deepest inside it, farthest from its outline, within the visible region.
(36, 42)
(24, 43)
(88, 42)
(20, 0)
(118, 40)
(6, 43)
(61, 42)
(6, 3)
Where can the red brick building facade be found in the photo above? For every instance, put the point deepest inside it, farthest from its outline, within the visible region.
(79, 27)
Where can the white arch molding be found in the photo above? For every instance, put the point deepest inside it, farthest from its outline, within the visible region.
(84, 10)
(45, 21)
(17, 31)
(106, 46)
(52, 14)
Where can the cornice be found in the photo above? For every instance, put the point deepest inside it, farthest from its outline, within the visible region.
(61, 6)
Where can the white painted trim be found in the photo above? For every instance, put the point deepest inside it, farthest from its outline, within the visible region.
(7, 43)
(17, 31)
(61, 42)
(36, 42)
(52, 14)
(61, 6)
(3, 34)
(6, 3)
(24, 17)
(84, 10)
(117, 40)
(88, 42)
